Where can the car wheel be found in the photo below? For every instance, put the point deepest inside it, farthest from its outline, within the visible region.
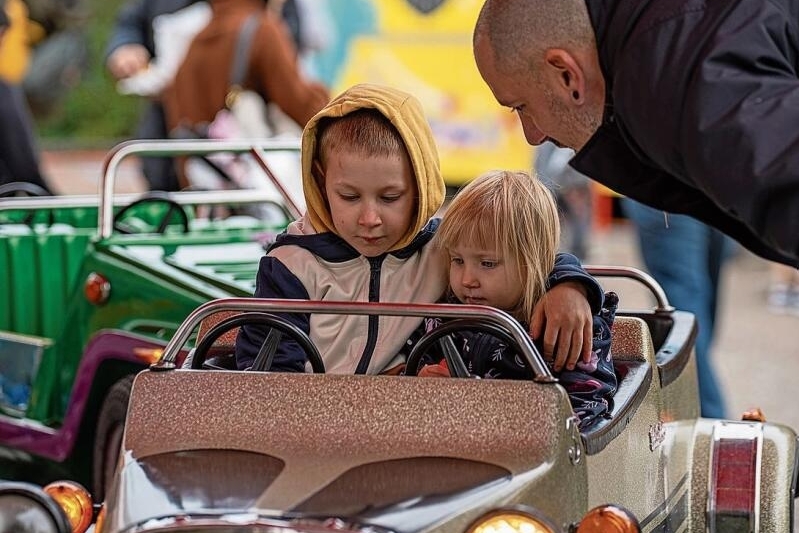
(108, 438)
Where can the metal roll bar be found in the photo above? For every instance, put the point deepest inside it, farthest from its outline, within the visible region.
(192, 322)
(636, 274)
(257, 148)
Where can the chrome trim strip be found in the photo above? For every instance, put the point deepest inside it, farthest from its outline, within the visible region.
(244, 520)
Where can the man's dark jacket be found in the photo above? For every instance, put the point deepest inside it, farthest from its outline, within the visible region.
(702, 113)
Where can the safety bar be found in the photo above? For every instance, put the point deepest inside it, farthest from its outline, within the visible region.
(257, 148)
(636, 274)
(501, 318)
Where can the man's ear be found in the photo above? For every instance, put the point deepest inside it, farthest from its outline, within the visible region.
(565, 74)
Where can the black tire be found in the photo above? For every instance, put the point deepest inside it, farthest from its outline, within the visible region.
(108, 439)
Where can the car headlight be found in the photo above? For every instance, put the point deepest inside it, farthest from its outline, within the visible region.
(75, 502)
(512, 521)
(25, 508)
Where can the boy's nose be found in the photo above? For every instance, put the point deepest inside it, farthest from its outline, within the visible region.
(370, 217)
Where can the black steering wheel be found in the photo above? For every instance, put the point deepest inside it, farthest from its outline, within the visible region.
(278, 326)
(173, 208)
(442, 336)
(22, 188)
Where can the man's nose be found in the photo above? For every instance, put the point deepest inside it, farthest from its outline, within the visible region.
(533, 135)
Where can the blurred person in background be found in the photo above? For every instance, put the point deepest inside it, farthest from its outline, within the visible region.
(19, 157)
(60, 52)
(130, 50)
(686, 258)
(572, 191)
(271, 71)
(133, 49)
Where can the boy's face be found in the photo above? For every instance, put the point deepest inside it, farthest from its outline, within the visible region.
(372, 199)
(481, 276)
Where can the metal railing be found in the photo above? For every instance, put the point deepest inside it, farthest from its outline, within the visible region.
(257, 148)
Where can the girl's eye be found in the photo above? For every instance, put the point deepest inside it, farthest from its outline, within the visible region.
(390, 199)
(456, 260)
(488, 264)
(348, 197)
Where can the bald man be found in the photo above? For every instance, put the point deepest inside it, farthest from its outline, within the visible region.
(689, 106)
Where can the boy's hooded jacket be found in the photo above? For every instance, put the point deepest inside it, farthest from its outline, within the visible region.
(311, 262)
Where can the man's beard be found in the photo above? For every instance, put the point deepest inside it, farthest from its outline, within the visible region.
(579, 123)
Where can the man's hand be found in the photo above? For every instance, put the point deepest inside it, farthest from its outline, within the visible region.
(127, 60)
(564, 318)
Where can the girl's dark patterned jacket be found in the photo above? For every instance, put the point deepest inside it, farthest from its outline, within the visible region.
(590, 385)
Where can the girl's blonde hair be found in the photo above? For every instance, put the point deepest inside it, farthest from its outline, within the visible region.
(517, 214)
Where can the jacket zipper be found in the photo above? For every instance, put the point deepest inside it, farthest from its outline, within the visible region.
(375, 264)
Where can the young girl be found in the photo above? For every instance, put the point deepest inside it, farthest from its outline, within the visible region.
(501, 233)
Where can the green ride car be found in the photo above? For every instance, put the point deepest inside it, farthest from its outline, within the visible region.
(95, 286)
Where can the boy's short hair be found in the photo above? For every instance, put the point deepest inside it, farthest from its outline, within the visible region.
(364, 131)
(517, 214)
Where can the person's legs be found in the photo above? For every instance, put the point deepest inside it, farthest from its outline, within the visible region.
(684, 261)
(19, 158)
(159, 171)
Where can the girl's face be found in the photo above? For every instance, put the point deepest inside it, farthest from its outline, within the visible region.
(482, 276)
(372, 200)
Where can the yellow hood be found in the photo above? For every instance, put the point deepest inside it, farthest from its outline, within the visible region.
(405, 113)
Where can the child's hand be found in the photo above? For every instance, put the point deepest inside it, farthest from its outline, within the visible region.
(563, 317)
(441, 370)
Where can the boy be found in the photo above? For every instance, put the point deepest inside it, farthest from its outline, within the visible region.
(372, 182)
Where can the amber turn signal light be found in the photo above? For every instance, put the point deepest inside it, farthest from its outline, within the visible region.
(608, 519)
(75, 501)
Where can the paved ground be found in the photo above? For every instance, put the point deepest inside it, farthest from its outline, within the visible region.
(756, 353)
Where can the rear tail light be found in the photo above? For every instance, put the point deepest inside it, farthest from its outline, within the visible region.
(97, 288)
(734, 499)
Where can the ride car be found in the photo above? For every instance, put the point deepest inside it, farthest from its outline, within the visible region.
(211, 449)
(94, 287)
